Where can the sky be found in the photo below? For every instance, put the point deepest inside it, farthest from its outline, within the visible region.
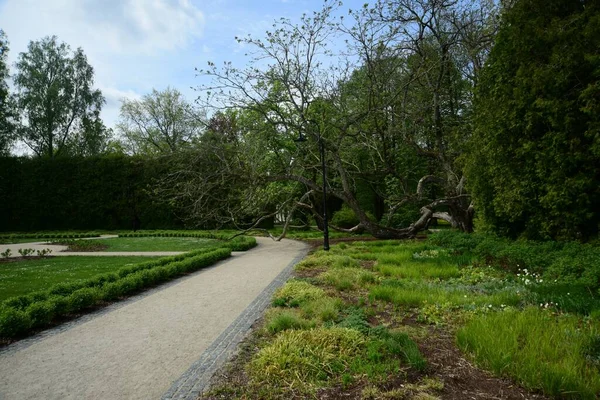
(137, 45)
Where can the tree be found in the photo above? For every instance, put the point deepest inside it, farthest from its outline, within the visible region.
(7, 112)
(92, 138)
(389, 124)
(534, 157)
(54, 95)
(161, 122)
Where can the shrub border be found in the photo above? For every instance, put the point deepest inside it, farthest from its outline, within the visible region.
(21, 315)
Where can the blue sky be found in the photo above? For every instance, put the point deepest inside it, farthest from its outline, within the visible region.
(137, 45)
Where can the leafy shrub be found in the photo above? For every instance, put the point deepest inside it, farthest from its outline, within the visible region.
(570, 262)
(40, 313)
(84, 298)
(14, 323)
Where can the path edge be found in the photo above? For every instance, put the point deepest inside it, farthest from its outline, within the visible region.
(197, 378)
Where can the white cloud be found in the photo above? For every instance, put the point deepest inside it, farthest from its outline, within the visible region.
(115, 26)
(133, 45)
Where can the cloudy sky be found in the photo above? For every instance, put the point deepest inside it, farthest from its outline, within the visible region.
(137, 45)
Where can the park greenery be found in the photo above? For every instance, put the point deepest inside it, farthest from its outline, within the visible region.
(357, 319)
(479, 119)
(481, 114)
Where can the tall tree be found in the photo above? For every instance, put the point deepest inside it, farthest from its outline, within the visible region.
(535, 157)
(390, 124)
(54, 95)
(7, 114)
(161, 122)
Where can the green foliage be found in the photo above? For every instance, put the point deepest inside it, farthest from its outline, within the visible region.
(305, 357)
(54, 95)
(105, 192)
(347, 278)
(565, 262)
(160, 122)
(281, 320)
(346, 218)
(7, 111)
(538, 349)
(532, 165)
(296, 292)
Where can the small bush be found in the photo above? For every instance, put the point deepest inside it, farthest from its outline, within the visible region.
(14, 323)
(84, 298)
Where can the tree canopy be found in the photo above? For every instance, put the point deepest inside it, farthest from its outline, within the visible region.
(55, 95)
(160, 122)
(534, 159)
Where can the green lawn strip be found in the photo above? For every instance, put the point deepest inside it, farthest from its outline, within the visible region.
(25, 276)
(156, 243)
(20, 315)
(239, 243)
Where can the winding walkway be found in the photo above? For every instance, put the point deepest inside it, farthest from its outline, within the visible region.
(162, 344)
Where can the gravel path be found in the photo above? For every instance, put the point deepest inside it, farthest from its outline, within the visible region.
(162, 344)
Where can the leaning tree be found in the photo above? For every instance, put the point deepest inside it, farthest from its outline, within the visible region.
(389, 112)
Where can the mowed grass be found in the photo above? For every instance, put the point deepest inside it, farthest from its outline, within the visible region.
(156, 243)
(22, 277)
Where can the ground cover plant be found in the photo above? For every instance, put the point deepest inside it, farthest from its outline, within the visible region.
(425, 319)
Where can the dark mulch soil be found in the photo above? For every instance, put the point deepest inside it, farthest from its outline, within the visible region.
(462, 380)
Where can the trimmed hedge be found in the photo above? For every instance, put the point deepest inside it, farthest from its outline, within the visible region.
(20, 315)
(83, 193)
(47, 235)
(239, 243)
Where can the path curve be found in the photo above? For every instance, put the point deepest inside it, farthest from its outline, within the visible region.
(164, 343)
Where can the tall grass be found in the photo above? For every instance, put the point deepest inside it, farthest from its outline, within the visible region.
(554, 354)
(420, 295)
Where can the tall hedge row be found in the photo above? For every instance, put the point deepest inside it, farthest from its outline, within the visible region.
(105, 192)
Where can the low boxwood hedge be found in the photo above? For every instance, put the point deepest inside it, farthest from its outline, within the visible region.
(47, 235)
(20, 315)
(239, 243)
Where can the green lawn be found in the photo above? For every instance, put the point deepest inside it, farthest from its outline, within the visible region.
(22, 277)
(157, 243)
